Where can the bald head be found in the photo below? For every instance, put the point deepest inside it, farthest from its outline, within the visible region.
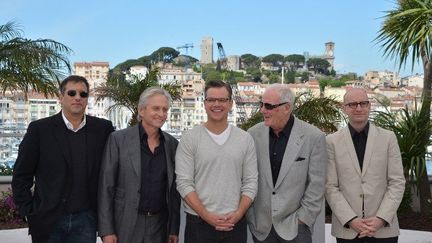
(355, 92)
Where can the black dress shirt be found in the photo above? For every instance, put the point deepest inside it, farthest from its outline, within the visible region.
(153, 176)
(277, 146)
(359, 140)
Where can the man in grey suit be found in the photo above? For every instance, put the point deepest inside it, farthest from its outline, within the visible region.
(138, 200)
(291, 164)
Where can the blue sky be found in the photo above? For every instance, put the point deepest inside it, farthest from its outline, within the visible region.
(115, 31)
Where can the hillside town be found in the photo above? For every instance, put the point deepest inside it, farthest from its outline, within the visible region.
(18, 109)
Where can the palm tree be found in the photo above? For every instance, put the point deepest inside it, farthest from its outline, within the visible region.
(406, 34)
(30, 64)
(405, 124)
(322, 112)
(125, 92)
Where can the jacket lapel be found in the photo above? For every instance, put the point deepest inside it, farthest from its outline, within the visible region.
(347, 141)
(133, 145)
(262, 146)
(61, 137)
(295, 142)
(370, 144)
(167, 149)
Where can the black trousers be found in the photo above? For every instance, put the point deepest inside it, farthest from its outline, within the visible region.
(199, 231)
(368, 240)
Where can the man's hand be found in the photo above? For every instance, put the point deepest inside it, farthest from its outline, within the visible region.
(361, 227)
(219, 222)
(234, 217)
(375, 223)
(173, 239)
(109, 239)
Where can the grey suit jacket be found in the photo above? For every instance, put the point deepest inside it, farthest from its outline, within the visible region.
(299, 190)
(120, 182)
(379, 185)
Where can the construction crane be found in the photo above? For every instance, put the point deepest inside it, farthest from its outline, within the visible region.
(240, 104)
(186, 47)
(242, 116)
(222, 61)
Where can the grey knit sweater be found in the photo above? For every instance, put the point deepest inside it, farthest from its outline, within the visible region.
(219, 174)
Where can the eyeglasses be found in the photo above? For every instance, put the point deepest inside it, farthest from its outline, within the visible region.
(270, 106)
(213, 100)
(354, 105)
(72, 93)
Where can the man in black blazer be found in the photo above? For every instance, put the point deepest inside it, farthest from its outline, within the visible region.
(60, 155)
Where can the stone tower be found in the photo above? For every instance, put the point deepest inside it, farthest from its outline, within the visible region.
(207, 50)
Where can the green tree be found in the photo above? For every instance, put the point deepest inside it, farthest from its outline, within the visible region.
(406, 35)
(274, 59)
(405, 125)
(184, 60)
(322, 112)
(31, 64)
(255, 74)
(212, 75)
(295, 60)
(126, 65)
(305, 76)
(164, 54)
(319, 65)
(126, 93)
(250, 61)
(290, 76)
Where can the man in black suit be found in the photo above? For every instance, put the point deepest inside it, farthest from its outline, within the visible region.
(61, 156)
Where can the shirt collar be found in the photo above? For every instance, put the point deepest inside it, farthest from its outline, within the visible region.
(353, 132)
(143, 134)
(287, 129)
(70, 126)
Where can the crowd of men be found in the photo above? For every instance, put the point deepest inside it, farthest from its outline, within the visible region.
(76, 178)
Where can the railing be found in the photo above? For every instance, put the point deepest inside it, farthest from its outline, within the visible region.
(5, 180)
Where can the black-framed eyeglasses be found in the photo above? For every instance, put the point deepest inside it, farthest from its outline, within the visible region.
(213, 100)
(270, 106)
(354, 105)
(72, 93)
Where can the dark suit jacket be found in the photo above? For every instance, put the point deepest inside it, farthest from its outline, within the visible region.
(120, 183)
(44, 158)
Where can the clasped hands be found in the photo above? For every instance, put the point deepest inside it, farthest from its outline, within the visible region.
(366, 227)
(225, 222)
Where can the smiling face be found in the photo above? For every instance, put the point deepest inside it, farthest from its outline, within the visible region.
(74, 106)
(277, 117)
(154, 113)
(217, 104)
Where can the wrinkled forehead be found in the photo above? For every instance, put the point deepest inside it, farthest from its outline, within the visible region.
(271, 95)
(355, 95)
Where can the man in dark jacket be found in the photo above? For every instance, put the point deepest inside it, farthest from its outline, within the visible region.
(60, 155)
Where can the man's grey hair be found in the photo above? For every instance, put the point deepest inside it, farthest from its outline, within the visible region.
(285, 93)
(150, 92)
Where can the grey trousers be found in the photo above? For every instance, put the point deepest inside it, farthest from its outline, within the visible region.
(150, 229)
(304, 236)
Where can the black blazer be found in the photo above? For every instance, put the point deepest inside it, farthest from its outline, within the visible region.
(44, 158)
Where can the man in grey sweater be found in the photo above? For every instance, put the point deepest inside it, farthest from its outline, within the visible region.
(216, 168)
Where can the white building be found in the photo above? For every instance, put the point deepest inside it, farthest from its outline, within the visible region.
(413, 81)
(95, 72)
(169, 75)
(376, 78)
